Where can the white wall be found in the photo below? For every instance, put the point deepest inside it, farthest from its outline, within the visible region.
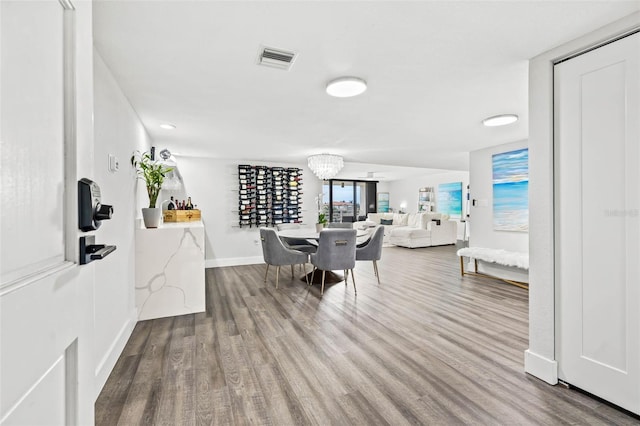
(481, 229)
(480, 225)
(540, 357)
(406, 191)
(212, 185)
(118, 132)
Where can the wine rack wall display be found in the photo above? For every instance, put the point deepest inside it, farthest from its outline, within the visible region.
(268, 196)
(246, 195)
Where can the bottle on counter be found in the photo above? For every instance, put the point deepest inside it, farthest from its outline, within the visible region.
(189, 206)
(171, 205)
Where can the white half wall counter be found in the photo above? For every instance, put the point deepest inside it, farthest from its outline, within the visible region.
(170, 276)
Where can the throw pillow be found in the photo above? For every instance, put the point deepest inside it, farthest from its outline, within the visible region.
(413, 220)
(400, 219)
(386, 221)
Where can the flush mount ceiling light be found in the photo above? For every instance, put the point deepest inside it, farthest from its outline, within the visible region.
(500, 120)
(168, 126)
(325, 166)
(345, 87)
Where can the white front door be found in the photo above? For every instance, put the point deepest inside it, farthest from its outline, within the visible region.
(45, 297)
(597, 216)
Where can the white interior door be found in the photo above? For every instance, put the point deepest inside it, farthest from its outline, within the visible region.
(597, 236)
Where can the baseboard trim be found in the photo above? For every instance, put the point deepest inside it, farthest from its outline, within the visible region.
(233, 261)
(110, 358)
(541, 367)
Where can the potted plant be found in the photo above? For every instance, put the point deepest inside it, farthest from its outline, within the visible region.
(153, 174)
(322, 222)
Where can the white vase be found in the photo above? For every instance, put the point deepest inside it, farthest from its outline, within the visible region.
(151, 217)
(319, 227)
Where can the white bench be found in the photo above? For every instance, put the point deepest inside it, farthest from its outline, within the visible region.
(497, 256)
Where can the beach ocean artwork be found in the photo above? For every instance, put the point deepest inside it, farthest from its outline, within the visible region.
(383, 202)
(450, 199)
(511, 191)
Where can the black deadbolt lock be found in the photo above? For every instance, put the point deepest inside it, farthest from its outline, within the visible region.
(90, 211)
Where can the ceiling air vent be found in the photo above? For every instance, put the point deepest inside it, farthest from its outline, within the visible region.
(276, 58)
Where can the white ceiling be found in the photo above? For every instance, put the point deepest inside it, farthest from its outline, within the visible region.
(435, 69)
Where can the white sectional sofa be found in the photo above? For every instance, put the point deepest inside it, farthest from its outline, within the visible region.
(414, 229)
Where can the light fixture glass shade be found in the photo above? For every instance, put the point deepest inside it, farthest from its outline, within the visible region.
(346, 87)
(500, 120)
(165, 154)
(325, 166)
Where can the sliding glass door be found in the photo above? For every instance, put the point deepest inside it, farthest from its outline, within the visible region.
(347, 199)
(343, 202)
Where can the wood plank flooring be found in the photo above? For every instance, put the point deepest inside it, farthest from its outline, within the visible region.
(424, 347)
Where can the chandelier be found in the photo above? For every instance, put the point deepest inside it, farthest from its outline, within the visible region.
(325, 166)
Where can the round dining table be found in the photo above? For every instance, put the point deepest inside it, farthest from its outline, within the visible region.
(311, 234)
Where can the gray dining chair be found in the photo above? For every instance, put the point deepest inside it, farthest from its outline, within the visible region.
(336, 251)
(372, 249)
(275, 253)
(340, 225)
(296, 243)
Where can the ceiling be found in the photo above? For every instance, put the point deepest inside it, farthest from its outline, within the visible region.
(435, 70)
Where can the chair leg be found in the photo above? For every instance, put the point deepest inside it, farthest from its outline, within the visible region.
(322, 289)
(346, 276)
(304, 270)
(375, 268)
(277, 275)
(313, 273)
(292, 271)
(265, 273)
(353, 278)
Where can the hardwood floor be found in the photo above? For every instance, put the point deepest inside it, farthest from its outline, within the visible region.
(424, 347)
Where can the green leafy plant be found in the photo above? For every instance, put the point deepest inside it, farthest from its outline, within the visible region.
(152, 172)
(322, 218)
